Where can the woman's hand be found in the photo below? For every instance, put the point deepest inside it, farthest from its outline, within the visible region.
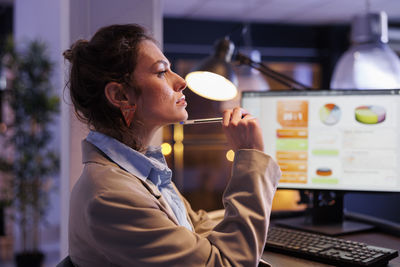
(242, 130)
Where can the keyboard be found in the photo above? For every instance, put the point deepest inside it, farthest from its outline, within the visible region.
(326, 249)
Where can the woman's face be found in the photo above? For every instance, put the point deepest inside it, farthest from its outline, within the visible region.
(161, 101)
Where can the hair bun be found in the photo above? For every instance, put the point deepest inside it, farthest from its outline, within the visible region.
(70, 54)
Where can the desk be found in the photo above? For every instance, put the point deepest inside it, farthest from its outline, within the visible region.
(370, 237)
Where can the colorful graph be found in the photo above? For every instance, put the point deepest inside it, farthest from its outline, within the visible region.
(292, 140)
(329, 114)
(324, 171)
(370, 114)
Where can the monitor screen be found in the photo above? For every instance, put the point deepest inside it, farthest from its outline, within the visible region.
(331, 140)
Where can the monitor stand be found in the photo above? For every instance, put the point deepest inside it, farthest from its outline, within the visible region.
(325, 216)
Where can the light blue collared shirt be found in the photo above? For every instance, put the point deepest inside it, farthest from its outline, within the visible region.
(151, 165)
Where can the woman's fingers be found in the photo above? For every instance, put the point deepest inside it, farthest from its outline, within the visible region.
(237, 115)
(242, 130)
(226, 117)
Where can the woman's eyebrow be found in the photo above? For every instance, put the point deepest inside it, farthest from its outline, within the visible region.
(161, 61)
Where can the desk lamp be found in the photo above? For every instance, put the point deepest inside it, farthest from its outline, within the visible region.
(215, 79)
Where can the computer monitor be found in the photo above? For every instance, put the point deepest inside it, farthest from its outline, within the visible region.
(331, 142)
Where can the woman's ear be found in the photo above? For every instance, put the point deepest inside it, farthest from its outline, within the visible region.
(118, 97)
(115, 94)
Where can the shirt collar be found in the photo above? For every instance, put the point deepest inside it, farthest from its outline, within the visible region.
(144, 166)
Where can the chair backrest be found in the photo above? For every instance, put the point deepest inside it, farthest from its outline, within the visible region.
(66, 262)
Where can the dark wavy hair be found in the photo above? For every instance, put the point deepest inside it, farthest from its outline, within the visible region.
(110, 56)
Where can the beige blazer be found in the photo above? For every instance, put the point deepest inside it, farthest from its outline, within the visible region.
(116, 219)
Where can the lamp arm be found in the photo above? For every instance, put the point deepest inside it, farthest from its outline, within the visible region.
(271, 75)
(264, 69)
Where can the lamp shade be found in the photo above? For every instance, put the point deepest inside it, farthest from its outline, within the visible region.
(369, 63)
(214, 78)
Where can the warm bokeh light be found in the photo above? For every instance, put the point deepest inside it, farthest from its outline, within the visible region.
(166, 149)
(287, 200)
(178, 148)
(3, 127)
(230, 155)
(210, 85)
(178, 133)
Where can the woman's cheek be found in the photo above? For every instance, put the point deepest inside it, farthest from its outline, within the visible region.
(163, 98)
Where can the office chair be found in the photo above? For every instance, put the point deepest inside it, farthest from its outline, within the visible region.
(66, 262)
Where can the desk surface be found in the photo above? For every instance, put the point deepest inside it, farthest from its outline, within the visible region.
(371, 237)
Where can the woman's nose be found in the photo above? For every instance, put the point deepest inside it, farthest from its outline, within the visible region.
(180, 83)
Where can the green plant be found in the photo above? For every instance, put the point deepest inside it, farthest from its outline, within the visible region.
(33, 161)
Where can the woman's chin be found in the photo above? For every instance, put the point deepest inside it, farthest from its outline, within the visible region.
(179, 119)
(184, 116)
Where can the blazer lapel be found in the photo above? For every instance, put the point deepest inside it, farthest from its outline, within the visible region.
(186, 208)
(163, 203)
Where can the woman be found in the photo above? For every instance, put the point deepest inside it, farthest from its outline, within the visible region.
(124, 209)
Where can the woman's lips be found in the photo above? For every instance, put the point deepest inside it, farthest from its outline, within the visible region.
(181, 101)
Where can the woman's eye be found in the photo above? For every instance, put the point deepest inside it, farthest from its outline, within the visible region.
(161, 73)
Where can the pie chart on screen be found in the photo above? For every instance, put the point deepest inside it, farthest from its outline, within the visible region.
(370, 114)
(329, 114)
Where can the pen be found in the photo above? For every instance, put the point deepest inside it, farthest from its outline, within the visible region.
(198, 121)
